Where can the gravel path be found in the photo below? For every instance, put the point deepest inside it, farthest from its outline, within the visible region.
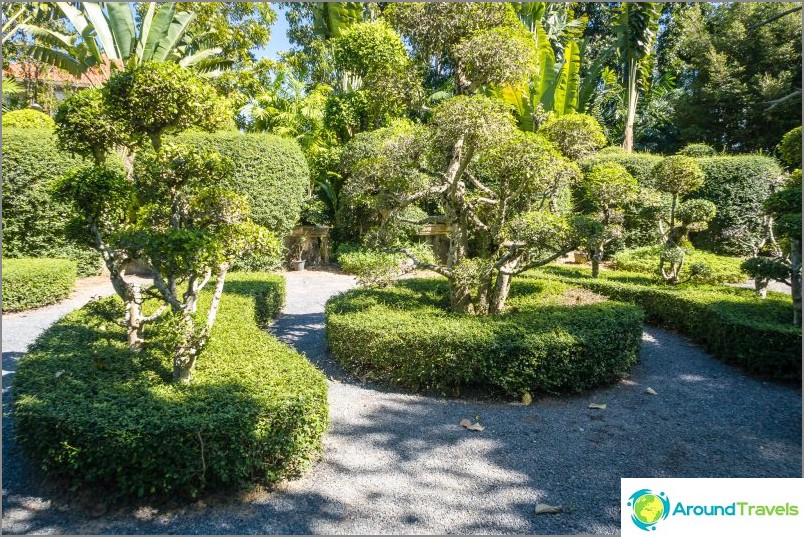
(397, 463)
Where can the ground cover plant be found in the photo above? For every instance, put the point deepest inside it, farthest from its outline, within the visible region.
(35, 282)
(555, 338)
(94, 412)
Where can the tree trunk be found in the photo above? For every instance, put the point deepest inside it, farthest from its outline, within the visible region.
(795, 279)
(134, 318)
(186, 353)
(597, 259)
(633, 96)
(460, 297)
(761, 287)
(501, 289)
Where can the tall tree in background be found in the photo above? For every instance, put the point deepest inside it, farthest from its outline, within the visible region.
(636, 29)
(733, 64)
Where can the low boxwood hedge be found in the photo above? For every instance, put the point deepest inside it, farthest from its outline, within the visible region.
(730, 322)
(89, 410)
(645, 260)
(548, 342)
(33, 282)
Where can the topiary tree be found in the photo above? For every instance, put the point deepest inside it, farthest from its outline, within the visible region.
(603, 193)
(578, 136)
(175, 215)
(784, 207)
(27, 119)
(160, 98)
(678, 176)
(697, 150)
(494, 186)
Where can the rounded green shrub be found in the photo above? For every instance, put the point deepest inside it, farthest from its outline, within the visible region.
(91, 411)
(697, 150)
(738, 186)
(576, 135)
(84, 126)
(271, 172)
(790, 148)
(32, 283)
(35, 220)
(645, 260)
(552, 340)
(27, 119)
(639, 165)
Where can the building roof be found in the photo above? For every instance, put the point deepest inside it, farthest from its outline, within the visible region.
(53, 75)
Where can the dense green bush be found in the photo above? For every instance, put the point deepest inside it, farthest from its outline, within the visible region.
(730, 322)
(549, 340)
(638, 164)
(27, 119)
(697, 150)
(378, 267)
(90, 410)
(270, 171)
(738, 186)
(645, 260)
(35, 222)
(790, 148)
(32, 283)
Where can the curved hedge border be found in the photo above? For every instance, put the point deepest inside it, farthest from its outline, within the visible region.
(32, 283)
(89, 410)
(403, 335)
(730, 322)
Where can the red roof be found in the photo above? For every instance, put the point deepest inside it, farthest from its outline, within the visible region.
(94, 77)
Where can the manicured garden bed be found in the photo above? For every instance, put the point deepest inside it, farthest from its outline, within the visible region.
(32, 282)
(554, 338)
(90, 410)
(645, 260)
(731, 323)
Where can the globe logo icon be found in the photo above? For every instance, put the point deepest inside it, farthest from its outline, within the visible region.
(648, 508)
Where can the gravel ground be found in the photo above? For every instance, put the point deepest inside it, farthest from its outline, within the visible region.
(397, 463)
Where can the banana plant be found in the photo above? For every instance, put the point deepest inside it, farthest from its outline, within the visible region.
(331, 18)
(636, 29)
(555, 87)
(109, 30)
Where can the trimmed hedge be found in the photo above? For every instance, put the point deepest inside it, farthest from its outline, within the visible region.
(35, 223)
(270, 171)
(645, 260)
(27, 119)
(89, 410)
(547, 342)
(738, 186)
(33, 283)
(730, 322)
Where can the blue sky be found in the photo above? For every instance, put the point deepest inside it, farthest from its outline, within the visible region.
(279, 39)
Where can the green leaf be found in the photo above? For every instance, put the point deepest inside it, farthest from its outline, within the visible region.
(145, 31)
(546, 78)
(122, 26)
(158, 30)
(175, 33)
(59, 59)
(566, 93)
(97, 20)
